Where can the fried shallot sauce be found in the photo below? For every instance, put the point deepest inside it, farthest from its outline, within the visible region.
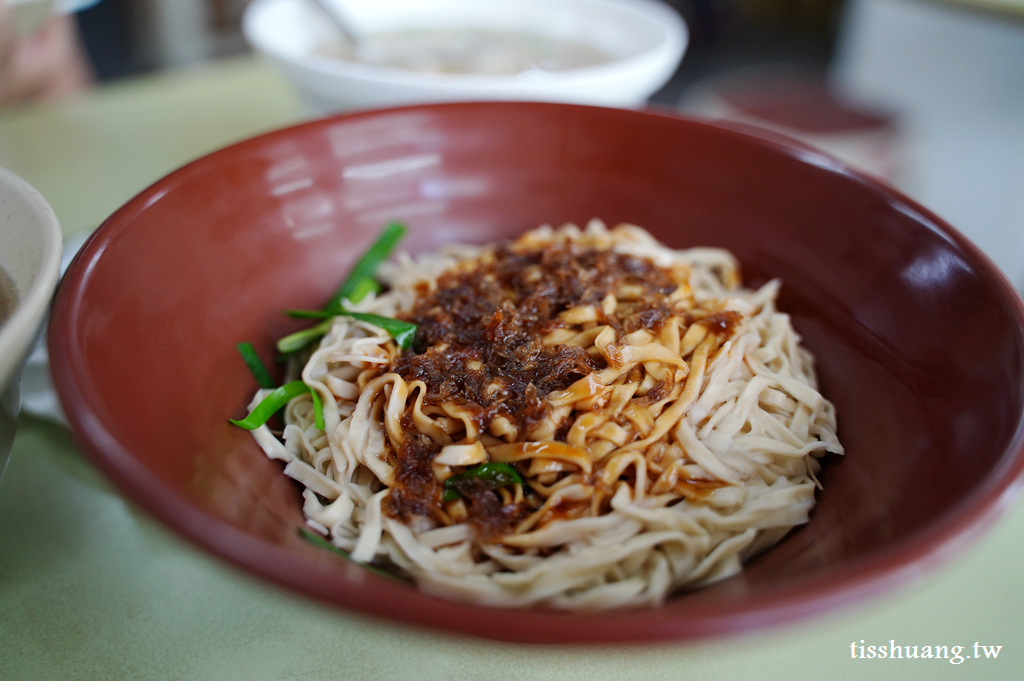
(479, 346)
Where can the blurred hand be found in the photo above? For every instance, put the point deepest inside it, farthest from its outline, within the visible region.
(46, 66)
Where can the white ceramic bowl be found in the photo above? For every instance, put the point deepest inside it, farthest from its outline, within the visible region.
(30, 251)
(646, 39)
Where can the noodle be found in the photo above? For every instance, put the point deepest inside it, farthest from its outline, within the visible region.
(646, 423)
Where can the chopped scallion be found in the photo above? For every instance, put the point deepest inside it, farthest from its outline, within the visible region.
(300, 339)
(270, 404)
(364, 287)
(402, 332)
(277, 400)
(355, 286)
(312, 314)
(314, 538)
(318, 410)
(256, 365)
(495, 473)
(359, 283)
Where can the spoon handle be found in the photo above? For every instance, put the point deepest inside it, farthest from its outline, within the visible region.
(337, 17)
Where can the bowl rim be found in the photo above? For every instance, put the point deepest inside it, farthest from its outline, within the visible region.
(671, 47)
(944, 537)
(19, 331)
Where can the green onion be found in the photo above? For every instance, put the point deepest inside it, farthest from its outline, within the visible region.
(360, 290)
(321, 542)
(355, 287)
(314, 538)
(360, 282)
(300, 339)
(494, 473)
(318, 410)
(312, 314)
(277, 400)
(270, 404)
(402, 332)
(256, 365)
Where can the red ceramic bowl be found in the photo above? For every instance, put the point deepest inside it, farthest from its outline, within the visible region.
(919, 339)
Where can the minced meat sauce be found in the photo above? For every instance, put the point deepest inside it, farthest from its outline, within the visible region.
(478, 345)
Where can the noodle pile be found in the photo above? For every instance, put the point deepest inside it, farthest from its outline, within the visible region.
(664, 422)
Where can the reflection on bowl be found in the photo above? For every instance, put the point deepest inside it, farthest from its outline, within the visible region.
(624, 51)
(29, 269)
(918, 338)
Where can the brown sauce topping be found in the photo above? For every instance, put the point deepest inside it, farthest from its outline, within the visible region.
(722, 323)
(565, 511)
(416, 491)
(479, 338)
(489, 514)
(478, 345)
(697, 490)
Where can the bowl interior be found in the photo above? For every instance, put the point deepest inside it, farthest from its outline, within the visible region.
(918, 339)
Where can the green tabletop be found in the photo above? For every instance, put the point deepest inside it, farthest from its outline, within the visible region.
(92, 588)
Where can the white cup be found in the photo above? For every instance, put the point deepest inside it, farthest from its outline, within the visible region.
(30, 252)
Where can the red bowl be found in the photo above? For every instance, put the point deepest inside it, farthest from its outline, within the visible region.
(919, 339)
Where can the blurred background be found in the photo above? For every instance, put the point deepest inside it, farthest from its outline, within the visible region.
(99, 99)
(124, 37)
(926, 94)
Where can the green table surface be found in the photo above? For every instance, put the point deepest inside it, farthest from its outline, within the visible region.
(92, 588)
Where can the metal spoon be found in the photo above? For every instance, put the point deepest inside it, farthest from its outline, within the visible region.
(338, 18)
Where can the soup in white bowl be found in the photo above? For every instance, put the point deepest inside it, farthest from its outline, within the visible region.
(640, 43)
